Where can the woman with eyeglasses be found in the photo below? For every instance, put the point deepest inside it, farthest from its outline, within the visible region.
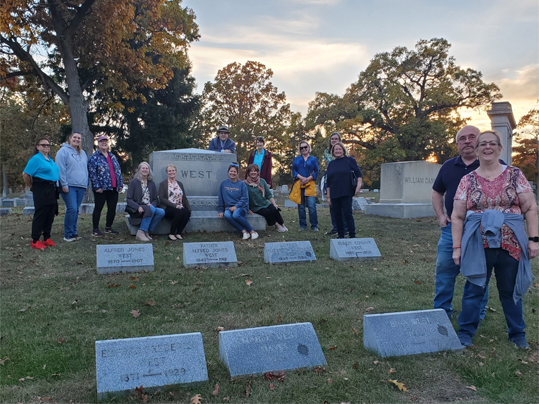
(73, 164)
(41, 176)
(233, 202)
(305, 172)
(488, 234)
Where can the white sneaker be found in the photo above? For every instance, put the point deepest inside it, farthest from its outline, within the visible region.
(280, 228)
(246, 236)
(254, 235)
(141, 236)
(284, 227)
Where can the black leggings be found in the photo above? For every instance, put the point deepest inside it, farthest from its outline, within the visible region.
(111, 197)
(271, 214)
(179, 218)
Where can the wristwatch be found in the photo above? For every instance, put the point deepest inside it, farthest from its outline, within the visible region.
(534, 239)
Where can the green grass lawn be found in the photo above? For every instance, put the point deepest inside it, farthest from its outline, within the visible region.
(54, 306)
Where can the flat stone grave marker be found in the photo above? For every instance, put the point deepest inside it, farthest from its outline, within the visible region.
(268, 349)
(217, 254)
(353, 249)
(124, 258)
(8, 203)
(5, 211)
(289, 251)
(29, 210)
(289, 204)
(163, 360)
(409, 333)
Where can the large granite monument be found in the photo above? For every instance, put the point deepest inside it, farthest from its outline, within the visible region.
(201, 172)
(406, 190)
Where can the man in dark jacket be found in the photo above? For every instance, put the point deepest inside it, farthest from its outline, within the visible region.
(222, 143)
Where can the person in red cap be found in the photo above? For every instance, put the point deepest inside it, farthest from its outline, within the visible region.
(107, 182)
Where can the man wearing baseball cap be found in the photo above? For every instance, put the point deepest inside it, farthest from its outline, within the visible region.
(222, 143)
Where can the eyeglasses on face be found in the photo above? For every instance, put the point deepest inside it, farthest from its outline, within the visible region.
(44, 145)
(491, 144)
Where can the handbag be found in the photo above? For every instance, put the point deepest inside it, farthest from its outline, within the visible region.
(353, 176)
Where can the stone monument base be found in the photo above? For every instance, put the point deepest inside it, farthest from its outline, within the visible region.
(204, 221)
(400, 210)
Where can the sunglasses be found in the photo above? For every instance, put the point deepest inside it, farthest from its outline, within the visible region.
(44, 145)
(303, 147)
(233, 165)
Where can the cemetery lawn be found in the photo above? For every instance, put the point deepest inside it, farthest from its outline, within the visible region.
(54, 306)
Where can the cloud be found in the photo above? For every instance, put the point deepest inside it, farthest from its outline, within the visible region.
(322, 2)
(524, 84)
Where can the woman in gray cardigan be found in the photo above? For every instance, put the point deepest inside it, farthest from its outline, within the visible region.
(173, 200)
(142, 202)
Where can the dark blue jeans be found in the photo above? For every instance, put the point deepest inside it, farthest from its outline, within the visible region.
(505, 268)
(310, 201)
(334, 221)
(343, 205)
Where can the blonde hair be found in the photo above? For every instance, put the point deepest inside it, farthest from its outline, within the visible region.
(171, 165)
(495, 133)
(303, 142)
(343, 148)
(138, 176)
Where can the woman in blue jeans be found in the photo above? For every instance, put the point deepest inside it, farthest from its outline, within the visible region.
(234, 202)
(142, 202)
(305, 172)
(72, 163)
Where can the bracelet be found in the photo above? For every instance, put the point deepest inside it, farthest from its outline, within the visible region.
(454, 248)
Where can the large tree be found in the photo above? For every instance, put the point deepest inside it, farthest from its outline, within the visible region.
(526, 148)
(126, 45)
(244, 98)
(405, 105)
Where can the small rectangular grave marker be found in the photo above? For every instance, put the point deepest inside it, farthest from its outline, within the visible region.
(163, 360)
(353, 249)
(289, 204)
(290, 251)
(409, 333)
(267, 349)
(124, 258)
(217, 254)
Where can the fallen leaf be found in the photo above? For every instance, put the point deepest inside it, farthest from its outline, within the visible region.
(22, 379)
(87, 311)
(330, 381)
(518, 373)
(276, 375)
(269, 277)
(271, 387)
(3, 360)
(248, 282)
(196, 399)
(355, 331)
(248, 389)
(472, 388)
(369, 309)
(226, 399)
(113, 285)
(149, 303)
(279, 319)
(417, 282)
(173, 283)
(331, 348)
(523, 361)
(171, 394)
(399, 385)
(392, 370)
(491, 309)
(177, 258)
(220, 329)
(44, 366)
(23, 310)
(376, 362)
(134, 278)
(61, 340)
(355, 365)
(319, 369)
(132, 286)
(74, 302)
(481, 364)
(135, 313)
(216, 391)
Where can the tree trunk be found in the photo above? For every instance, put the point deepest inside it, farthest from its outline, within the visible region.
(4, 180)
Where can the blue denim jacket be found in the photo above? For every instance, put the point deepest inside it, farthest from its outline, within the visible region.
(472, 262)
(99, 171)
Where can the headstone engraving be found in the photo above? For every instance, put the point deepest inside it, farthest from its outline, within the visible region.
(217, 254)
(29, 210)
(124, 258)
(359, 203)
(354, 249)
(124, 364)
(5, 211)
(291, 251)
(267, 349)
(409, 333)
(8, 203)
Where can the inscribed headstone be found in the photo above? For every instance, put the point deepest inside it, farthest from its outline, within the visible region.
(217, 254)
(124, 258)
(354, 249)
(409, 333)
(290, 251)
(267, 349)
(125, 364)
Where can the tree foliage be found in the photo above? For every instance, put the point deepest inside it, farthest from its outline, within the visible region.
(405, 105)
(526, 150)
(124, 45)
(244, 98)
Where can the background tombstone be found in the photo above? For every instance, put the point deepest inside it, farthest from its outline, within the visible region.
(217, 254)
(5, 211)
(124, 258)
(409, 333)
(291, 251)
(354, 249)
(502, 120)
(125, 364)
(267, 349)
(406, 190)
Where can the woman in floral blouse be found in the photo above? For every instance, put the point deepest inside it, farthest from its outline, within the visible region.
(173, 200)
(488, 233)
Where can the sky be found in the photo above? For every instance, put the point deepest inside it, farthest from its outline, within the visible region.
(322, 45)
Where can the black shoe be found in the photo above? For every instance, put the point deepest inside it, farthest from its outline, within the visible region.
(110, 230)
(97, 233)
(331, 233)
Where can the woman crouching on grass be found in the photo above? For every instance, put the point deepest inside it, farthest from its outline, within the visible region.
(234, 202)
(261, 199)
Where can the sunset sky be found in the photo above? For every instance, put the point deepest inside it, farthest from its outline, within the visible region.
(323, 45)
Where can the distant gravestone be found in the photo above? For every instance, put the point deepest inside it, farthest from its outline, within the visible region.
(359, 203)
(284, 189)
(218, 254)
(289, 204)
(8, 203)
(409, 333)
(86, 208)
(124, 258)
(354, 249)
(120, 207)
(291, 251)
(5, 211)
(267, 349)
(29, 210)
(125, 364)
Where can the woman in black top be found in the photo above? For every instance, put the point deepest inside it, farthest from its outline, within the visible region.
(340, 189)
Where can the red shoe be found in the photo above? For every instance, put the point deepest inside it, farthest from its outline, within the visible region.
(38, 245)
(49, 243)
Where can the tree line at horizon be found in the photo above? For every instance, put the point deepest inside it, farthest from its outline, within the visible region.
(121, 68)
